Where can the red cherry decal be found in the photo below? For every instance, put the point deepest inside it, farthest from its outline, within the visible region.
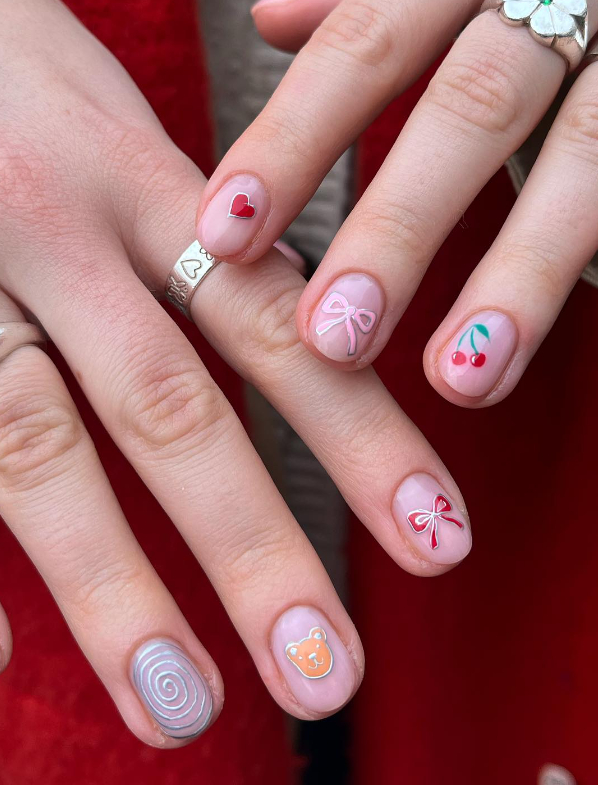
(477, 360)
(240, 207)
(459, 358)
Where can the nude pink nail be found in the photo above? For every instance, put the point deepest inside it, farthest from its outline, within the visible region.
(427, 516)
(316, 666)
(478, 353)
(234, 216)
(345, 320)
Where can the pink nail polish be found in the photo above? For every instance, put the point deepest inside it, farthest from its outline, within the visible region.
(428, 518)
(315, 664)
(344, 322)
(478, 353)
(234, 216)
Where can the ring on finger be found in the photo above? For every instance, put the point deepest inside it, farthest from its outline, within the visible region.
(13, 335)
(190, 270)
(561, 25)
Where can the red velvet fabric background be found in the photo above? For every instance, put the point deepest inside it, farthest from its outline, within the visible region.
(480, 676)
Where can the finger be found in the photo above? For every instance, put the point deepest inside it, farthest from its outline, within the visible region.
(380, 462)
(478, 109)
(287, 24)
(518, 289)
(363, 54)
(56, 498)
(168, 417)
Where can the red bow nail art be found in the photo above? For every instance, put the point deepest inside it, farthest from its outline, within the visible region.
(421, 520)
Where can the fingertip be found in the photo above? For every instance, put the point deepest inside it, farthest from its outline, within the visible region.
(5, 641)
(288, 24)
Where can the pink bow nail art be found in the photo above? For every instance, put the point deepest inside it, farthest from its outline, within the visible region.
(421, 520)
(337, 303)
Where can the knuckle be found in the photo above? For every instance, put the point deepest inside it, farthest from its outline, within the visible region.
(38, 426)
(391, 222)
(91, 584)
(253, 549)
(360, 31)
(578, 130)
(290, 132)
(478, 91)
(533, 259)
(273, 331)
(172, 403)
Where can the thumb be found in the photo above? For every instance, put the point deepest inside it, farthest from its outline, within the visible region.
(288, 24)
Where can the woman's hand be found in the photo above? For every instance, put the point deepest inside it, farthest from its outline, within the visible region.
(96, 205)
(491, 90)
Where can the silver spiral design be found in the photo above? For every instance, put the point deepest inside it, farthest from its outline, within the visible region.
(172, 688)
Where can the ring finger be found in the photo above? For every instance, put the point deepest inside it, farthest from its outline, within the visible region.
(57, 500)
(538, 256)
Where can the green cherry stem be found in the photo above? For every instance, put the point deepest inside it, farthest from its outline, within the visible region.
(481, 328)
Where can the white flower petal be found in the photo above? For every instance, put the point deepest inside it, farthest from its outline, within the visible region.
(519, 9)
(575, 7)
(541, 22)
(564, 24)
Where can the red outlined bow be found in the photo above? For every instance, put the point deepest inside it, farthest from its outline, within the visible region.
(421, 520)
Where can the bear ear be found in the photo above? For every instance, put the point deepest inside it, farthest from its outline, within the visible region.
(292, 650)
(317, 633)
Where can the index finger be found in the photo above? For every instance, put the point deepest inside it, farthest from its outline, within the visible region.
(361, 56)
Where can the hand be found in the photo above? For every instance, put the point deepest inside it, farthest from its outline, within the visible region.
(96, 205)
(493, 87)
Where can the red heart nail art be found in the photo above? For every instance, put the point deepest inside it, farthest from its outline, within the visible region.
(240, 207)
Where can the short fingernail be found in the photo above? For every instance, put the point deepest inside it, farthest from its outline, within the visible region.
(428, 518)
(478, 354)
(316, 666)
(344, 322)
(171, 688)
(234, 216)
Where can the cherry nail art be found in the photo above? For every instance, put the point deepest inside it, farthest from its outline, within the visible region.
(479, 353)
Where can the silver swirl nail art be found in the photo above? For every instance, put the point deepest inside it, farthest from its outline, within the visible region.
(173, 690)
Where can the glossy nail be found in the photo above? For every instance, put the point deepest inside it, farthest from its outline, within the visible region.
(234, 216)
(171, 688)
(316, 666)
(427, 516)
(344, 322)
(478, 353)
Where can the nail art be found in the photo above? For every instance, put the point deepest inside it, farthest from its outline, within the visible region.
(312, 655)
(355, 303)
(174, 692)
(313, 660)
(241, 207)
(421, 510)
(234, 216)
(422, 520)
(478, 354)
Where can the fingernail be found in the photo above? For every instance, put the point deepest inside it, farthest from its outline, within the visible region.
(234, 216)
(478, 353)
(345, 320)
(315, 664)
(263, 3)
(430, 521)
(171, 688)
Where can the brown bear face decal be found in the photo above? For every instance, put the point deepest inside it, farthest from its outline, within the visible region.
(311, 655)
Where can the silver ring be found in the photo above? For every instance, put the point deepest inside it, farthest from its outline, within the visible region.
(561, 25)
(190, 270)
(13, 335)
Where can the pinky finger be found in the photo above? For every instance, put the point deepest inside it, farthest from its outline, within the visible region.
(288, 24)
(479, 353)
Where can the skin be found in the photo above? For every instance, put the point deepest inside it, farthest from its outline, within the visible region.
(478, 109)
(96, 203)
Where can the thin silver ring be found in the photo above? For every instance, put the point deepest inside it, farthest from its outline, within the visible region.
(13, 335)
(190, 270)
(561, 25)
